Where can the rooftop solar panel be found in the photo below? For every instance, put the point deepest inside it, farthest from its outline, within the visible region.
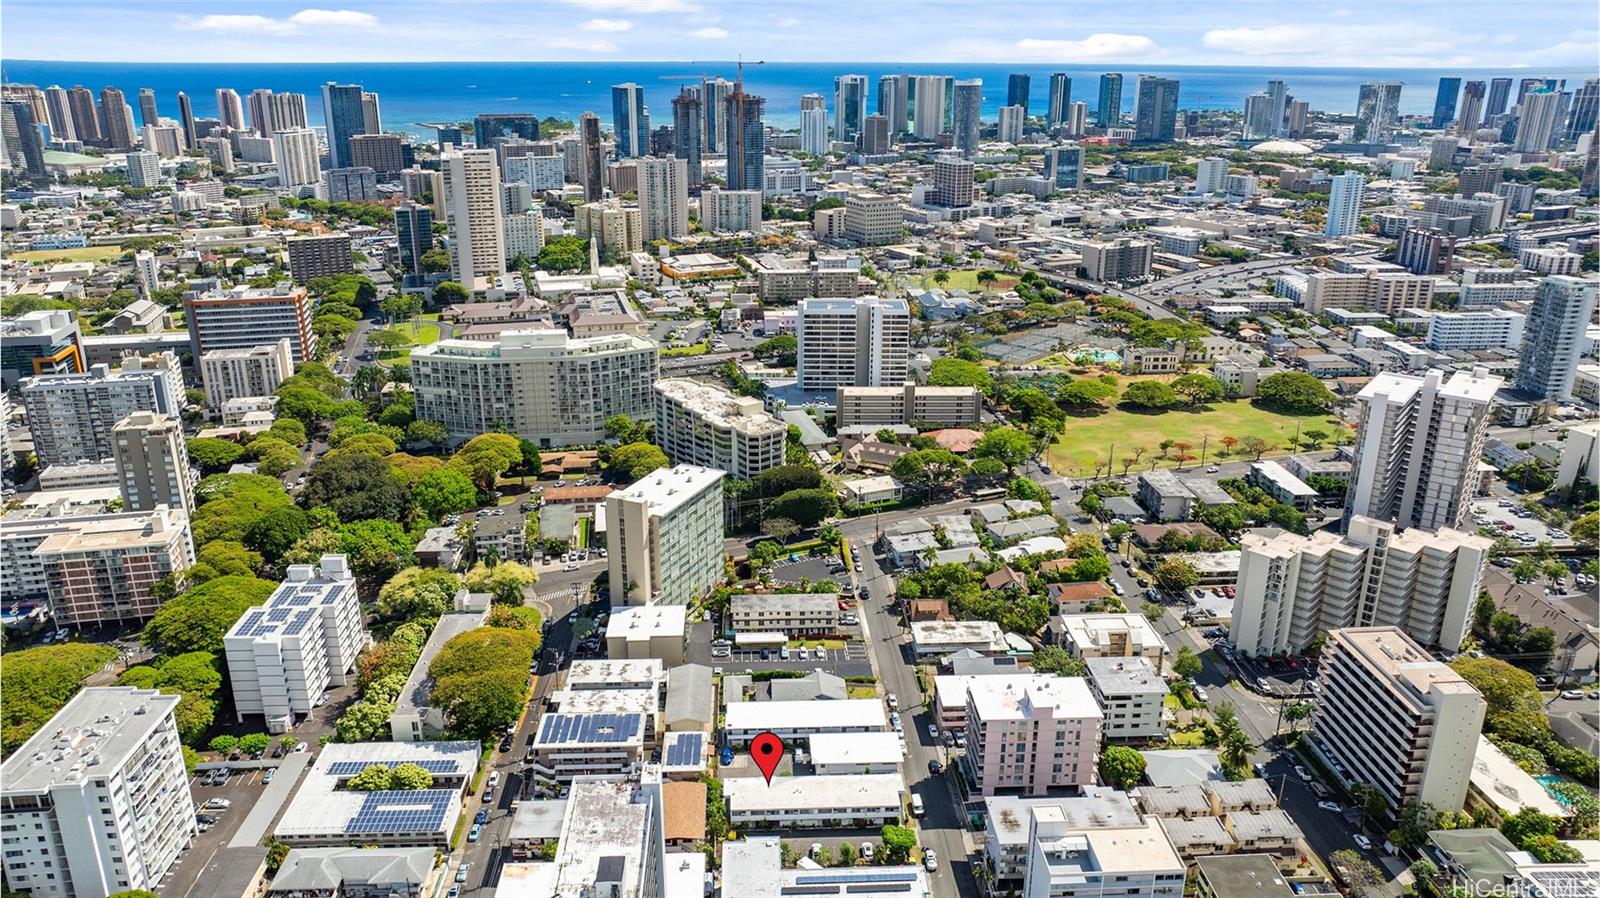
(401, 811)
(685, 750)
(351, 768)
(814, 878)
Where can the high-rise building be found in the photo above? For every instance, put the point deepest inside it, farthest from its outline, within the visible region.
(472, 211)
(148, 116)
(1471, 111)
(413, 225)
(592, 168)
(1031, 733)
(872, 218)
(260, 114)
(384, 154)
(688, 130)
(47, 341)
(144, 168)
(1210, 174)
(1499, 97)
(59, 108)
(1122, 259)
(953, 184)
(664, 198)
(315, 256)
(1344, 204)
(701, 424)
(1258, 117)
(152, 463)
(97, 800)
(927, 97)
(72, 415)
(147, 272)
(1390, 716)
(849, 106)
(286, 111)
(1585, 110)
(186, 119)
(968, 115)
(876, 136)
(746, 141)
(524, 233)
(85, 120)
(893, 96)
(1424, 250)
(542, 385)
(1155, 109)
(283, 654)
(117, 118)
(714, 94)
(488, 128)
(1417, 447)
(230, 110)
(24, 149)
(1554, 337)
(219, 151)
(730, 211)
(1060, 100)
(166, 140)
(295, 153)
(814, 131)
(250, 316)
(344, 115)
(610, 225)
(1292, 589)
(1444, 105)
(1299, 114)
(1010, 125)
(1063, 166)
(1278, 95)
(1377, 112)
(88, 570)
(371, 114)
(1077, 119)
(629, 120)
(1017, 90)
(1536, 124)
(665, 536)
(860, 342)
(356, 184)
(244, 373)
(1108, 114)
(812, 101)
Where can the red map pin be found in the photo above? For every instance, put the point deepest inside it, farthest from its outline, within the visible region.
(767, 750)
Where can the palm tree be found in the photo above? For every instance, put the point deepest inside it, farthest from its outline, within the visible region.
(941, 277)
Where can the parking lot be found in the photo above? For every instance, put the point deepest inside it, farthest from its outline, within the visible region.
(241, 790)
(850, 661)
(1523, 527)
(812, 570)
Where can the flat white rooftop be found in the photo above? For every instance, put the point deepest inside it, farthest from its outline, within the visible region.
(1014, 696)
(855, 748)
(758, 716)
(823, 794)
(91, 736)
(666, 489)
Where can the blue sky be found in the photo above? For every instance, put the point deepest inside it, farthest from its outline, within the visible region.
(1369, 33)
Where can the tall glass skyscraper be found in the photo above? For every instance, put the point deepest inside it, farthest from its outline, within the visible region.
(1017, 91)
(849, 106)
(1155, 109)
(1444, 105)
(746, 141)
(968, 112)
(688, 122)
(1060, 100)
(1109, 112)
(629, 120)
(345, 116)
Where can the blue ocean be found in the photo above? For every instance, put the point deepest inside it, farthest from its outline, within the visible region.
(414, 93)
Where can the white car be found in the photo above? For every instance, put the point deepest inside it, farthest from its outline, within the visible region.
(867, 851)
(1362, 842)
(1303, 773)
(1330, 806)
(930, 860)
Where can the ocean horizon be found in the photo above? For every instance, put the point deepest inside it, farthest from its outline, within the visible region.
(413, 93)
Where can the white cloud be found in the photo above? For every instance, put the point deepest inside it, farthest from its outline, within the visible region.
(1503, 39)
(1326, 44)
(226, 24)
(590, 45)
(334, 18)
(1104, 46)
(710, 34)
(638, 7)
(608, 26)
(309, 18)
(788, 22)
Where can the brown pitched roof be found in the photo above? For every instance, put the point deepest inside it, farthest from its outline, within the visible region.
(1005, 577)
(930, 609)
(1056, 564)
(956, 439)
(684, 816)
(1090, 591)
(556, 494)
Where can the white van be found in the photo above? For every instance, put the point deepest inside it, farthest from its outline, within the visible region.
(917, 809)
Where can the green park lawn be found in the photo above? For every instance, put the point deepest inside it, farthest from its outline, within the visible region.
(77, 254)
(1087, 439)
(967, 279)
(420, 333)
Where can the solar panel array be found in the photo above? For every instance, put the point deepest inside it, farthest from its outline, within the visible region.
(351, 768)
(401, 811)
(686, 750)
(819, 878)
(589, 728)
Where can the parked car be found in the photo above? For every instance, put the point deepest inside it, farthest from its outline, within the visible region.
(482, 816)
(867, 851)
(1330, 806)
(935, 768)
(1303, 773)
(1362, 842)
(475, 832)
(267, 777)
(930, 860)
(300, 747)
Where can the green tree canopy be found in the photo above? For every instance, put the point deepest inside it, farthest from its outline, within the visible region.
(213, 456)
(417, 593)
(505, 581)
(196, 620)
(1121, 767)
(40, 680)
(443, 491)
(1151, 394)
(1198, 389)
(635, 460)
(950, 372)
(1293, 391)
(486, 456)
(807, 508)
(356, 487)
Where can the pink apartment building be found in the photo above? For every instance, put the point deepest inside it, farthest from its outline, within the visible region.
(1028, 733)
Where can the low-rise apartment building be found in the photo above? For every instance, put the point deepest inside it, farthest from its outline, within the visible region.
(848, 800)
(1132, 696)
(1099, 862)
(1367, 291)
(242, 373)
(1389, 715)
(792, 614)
(1111, 635)
(890, 405)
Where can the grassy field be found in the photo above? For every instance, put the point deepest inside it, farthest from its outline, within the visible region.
(1088, 439)
(79, 254)
(967, 279)
(700, 348)
(420, 334)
